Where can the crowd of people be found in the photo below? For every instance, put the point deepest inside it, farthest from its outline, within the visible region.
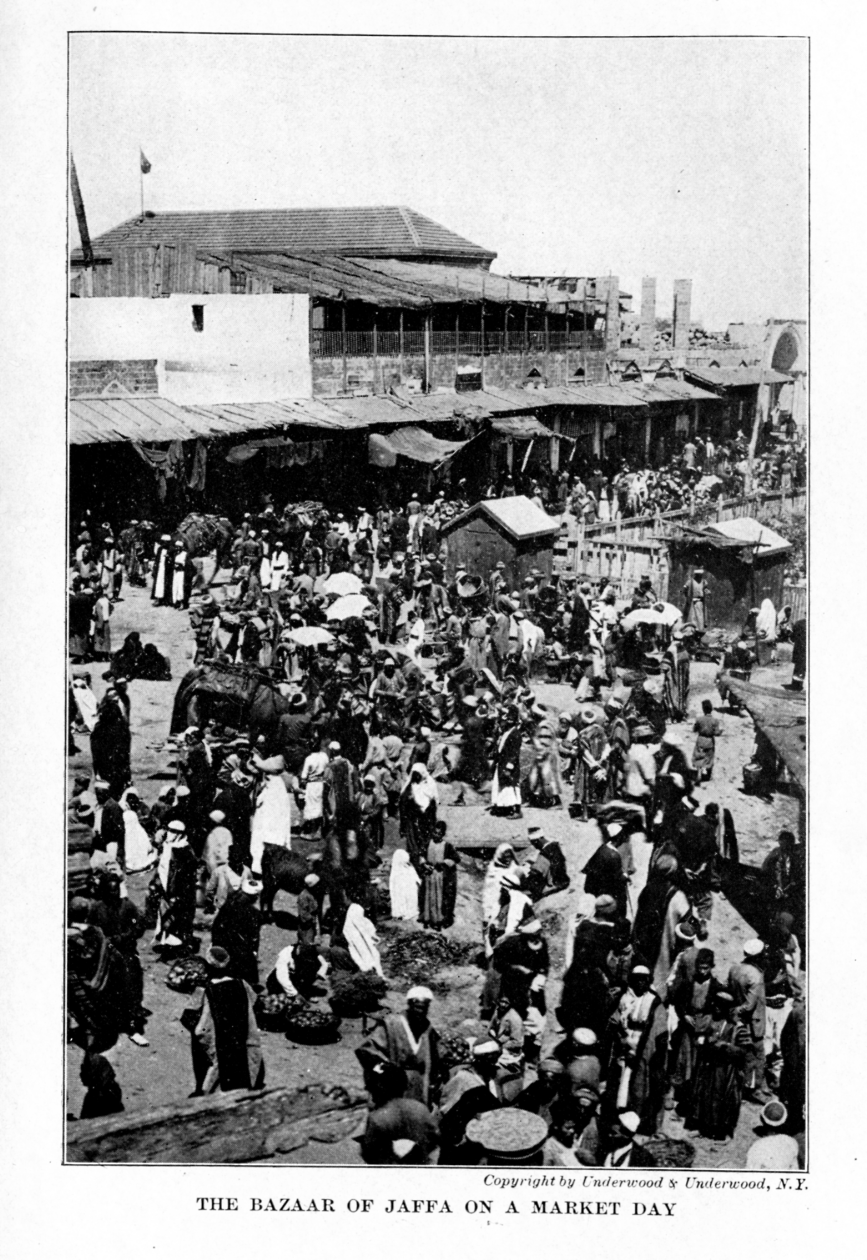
(699, 472)
(423, 684)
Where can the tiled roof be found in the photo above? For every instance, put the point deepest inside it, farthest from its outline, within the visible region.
(366, 231)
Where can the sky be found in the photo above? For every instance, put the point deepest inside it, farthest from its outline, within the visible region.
(671, 158)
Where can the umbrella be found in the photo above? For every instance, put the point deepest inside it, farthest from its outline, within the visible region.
(342, 584)
(668, 615)
(310, 636)
(348, 606)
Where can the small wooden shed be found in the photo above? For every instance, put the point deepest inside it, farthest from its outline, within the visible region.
(744, 563)
(514, 531)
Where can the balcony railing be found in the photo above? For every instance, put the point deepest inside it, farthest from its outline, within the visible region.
(333, 345)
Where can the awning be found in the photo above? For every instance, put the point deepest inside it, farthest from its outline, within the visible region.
(413, 444)
(782, 718)
(282, 451)
(519, 427)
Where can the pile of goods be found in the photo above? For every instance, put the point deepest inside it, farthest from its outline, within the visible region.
(187, 974)
(454, 1051)
(419, 957)
(354, 994)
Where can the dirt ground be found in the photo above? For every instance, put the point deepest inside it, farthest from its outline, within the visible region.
(161, 1073)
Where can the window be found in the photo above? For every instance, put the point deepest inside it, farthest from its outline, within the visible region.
(198, 319)
(237, 282)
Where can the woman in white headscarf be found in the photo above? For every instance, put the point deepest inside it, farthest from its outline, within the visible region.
(85, 702)
(360, 936)
(766, 633)
(403, 886)
(418, 812)
(139, 852)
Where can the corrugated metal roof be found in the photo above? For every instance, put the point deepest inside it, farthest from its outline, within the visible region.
(517, 515)
(749, 531)
(728, 377)
(362, 230)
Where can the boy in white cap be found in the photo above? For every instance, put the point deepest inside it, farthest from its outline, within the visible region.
(774, 1150)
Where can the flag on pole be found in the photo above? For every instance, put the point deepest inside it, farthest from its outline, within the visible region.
(144, 163)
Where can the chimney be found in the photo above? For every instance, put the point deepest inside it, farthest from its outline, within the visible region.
(647, 334)
(680, 319)
(612, 313)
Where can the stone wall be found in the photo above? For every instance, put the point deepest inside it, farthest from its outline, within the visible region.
(93, 376)
(364, 374)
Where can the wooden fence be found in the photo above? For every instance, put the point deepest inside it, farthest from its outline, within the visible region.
(796, 595)
(766, 505)
(626, 549)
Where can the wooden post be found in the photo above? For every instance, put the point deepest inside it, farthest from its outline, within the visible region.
(375, 390)
(400, 348)
(457, 340)
(754, 436)
(567, 345)
(547, 346)
(584, 335)
(483, 332)
(524, 350)
(343, 343)
(427, 354)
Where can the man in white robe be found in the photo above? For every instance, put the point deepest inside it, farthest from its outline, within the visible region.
(272, 817)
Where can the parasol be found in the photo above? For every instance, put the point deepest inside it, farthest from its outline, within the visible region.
(348, 606)
(342, 584)
(664, 615)
(310, 636)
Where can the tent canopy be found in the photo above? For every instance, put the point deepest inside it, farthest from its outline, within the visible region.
(411, 443)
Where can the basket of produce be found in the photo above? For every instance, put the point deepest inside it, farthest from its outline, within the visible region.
(508, 1135)
(311, 1027)
(187, 974)
(273, 1010)
(357, 993)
